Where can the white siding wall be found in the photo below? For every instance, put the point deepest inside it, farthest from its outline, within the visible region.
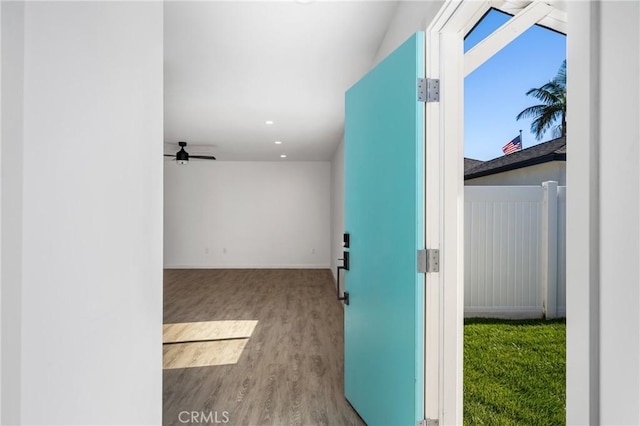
(504, 251)
(532, 175)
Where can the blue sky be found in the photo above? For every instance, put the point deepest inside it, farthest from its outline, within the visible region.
(495, 92)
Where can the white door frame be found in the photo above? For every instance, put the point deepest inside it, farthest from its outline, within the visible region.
(444, 151)
(583, 201)
(444, 313)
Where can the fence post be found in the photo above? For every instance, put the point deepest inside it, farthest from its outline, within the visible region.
(550, 249)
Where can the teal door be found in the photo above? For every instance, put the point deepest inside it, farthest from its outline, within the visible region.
(384, 216)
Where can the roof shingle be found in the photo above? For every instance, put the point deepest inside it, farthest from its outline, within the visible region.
(470, 164)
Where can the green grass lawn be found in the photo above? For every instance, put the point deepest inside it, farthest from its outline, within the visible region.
(514, 372)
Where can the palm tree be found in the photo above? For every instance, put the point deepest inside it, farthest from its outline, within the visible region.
(553, 96)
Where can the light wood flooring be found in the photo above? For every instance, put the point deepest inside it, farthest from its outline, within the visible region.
(202, 354)
(290, 371)
(207, 330)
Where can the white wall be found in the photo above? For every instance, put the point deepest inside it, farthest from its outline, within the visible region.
(603, 232)
(619, 213)
(11, 225)
(91, 284)
(247, 214)
(337, 206)
(0, 216)
(532, 175)
(409, 17)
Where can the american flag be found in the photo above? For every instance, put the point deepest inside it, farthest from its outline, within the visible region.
(513, 145)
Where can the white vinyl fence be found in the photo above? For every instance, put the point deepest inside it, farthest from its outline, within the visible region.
(515, 251)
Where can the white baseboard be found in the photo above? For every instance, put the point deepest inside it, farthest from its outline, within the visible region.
(254, 266)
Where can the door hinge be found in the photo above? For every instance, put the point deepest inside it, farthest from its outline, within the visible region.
(429, 90)
(428, 422)
(428, 260)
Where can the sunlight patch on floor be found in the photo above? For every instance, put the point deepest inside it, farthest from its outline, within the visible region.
(207, 330)
(204, 344)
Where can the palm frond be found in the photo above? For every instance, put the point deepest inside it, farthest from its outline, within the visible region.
(561, 76)
(532, 111)
(554, 88)
(545, 121)
(543, 94)
(553, 96)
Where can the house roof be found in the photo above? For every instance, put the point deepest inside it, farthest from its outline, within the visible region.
(470, 164)
(554, 150)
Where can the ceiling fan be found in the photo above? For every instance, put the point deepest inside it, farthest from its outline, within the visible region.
(182, 156)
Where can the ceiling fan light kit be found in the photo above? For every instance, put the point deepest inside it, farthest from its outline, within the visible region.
(182, 156)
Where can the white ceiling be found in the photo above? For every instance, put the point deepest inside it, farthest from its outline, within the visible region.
(231, 65)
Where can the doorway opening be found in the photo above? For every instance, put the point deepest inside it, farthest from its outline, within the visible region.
(248, 236)
(451, 62)
(514, 228)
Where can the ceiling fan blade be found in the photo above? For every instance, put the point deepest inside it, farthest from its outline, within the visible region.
(203, 157)
(169, 155)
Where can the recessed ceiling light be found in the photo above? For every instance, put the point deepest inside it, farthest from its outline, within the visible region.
(278, 142)
(268, 122)
(283, 156)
